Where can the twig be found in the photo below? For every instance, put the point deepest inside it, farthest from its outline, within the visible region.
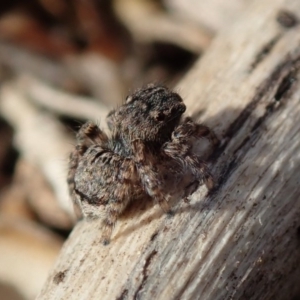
(148, 23)
(62, 102)
(40, 139)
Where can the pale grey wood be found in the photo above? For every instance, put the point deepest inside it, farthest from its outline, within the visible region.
(242, 241)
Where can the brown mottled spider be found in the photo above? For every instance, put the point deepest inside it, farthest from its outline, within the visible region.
(150, 151)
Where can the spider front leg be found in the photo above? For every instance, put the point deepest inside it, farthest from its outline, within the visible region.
(190, 130)
(150, 175)
(180, 146)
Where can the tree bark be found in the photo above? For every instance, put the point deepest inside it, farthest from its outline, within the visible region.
(241, 241)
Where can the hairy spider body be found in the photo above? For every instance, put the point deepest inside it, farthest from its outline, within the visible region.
(150, 151)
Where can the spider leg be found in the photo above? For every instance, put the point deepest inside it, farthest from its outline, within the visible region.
(87, 135)
(90, 134)
(113, 211)
(150, 175)
(190, 130)
(105, 183)
(179, 148)
(121, 194)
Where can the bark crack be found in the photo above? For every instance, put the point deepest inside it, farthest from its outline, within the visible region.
(145, 274)
(284, 84)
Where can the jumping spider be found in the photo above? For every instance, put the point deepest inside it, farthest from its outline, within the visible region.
(150, 151)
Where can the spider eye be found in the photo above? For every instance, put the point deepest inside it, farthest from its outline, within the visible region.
(160, 117)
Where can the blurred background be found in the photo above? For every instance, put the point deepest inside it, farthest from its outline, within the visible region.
(63, 62)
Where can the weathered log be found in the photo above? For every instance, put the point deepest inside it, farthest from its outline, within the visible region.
(241, 241)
